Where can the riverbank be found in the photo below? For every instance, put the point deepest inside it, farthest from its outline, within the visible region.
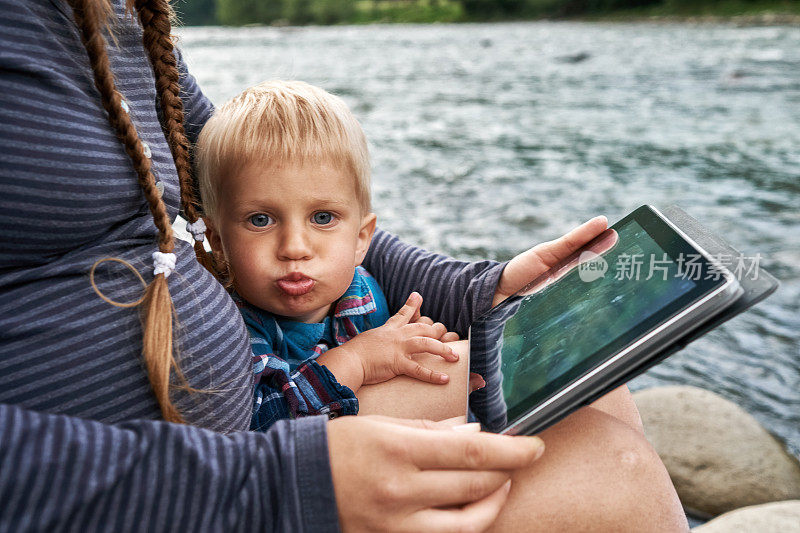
(331, 12)
(733, 12)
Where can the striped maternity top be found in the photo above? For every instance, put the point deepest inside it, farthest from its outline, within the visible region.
(81, 447)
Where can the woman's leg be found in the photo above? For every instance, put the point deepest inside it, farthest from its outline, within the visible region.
(598, 473)
(404, 397)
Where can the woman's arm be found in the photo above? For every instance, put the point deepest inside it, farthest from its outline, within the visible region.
(197, 108)
(454, 292)
(64, 473)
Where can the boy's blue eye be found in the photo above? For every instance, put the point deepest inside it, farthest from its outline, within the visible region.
(323, 218)
(260, 220)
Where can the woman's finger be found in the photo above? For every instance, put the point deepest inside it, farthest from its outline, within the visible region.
(476, 516)
(424, 320)
(549, 254)
(418, 423)
(407, 312)
(455, 423)
(415, 370)
(432, 346)
(532, 263)
(447, 488)
(451, 450)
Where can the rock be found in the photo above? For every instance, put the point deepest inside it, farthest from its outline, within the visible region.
(776, 517)
(718, 456)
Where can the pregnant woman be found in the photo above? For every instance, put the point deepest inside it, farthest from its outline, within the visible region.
(93, 164)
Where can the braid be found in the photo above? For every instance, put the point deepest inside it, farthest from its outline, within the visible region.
(88, 17)
(91, 17)
(155, 17)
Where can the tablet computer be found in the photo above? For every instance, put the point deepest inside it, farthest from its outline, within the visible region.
(604, 314)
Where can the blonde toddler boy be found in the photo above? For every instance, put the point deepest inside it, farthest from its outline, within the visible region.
(285, 181)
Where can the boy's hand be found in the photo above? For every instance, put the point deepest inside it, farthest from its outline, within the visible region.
(529, 265)
(448, 336)
(385, 352)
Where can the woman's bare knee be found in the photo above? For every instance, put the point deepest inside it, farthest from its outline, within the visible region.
(597, 474)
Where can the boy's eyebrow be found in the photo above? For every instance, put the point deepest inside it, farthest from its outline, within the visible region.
(330, 201)
(248, 204)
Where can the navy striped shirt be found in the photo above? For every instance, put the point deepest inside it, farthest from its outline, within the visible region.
(80, 446)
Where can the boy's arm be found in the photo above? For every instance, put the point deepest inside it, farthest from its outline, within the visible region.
(326, 385)
(311, 389)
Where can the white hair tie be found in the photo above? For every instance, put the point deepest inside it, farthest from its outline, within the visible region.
(163, 263)
(197, 229)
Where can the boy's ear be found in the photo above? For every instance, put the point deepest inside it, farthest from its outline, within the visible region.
(213, 235)
(368, 222)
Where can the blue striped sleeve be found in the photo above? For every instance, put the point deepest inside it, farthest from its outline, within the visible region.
(145, 476)
(197, 108)
(454, 292)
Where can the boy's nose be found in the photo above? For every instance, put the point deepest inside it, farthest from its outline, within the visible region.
(294, 245)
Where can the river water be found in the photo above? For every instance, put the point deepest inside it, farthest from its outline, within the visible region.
(489, 138)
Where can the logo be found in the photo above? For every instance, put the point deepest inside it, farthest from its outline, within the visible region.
(591, 266)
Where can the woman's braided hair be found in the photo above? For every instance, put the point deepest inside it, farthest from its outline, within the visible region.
(92, 17)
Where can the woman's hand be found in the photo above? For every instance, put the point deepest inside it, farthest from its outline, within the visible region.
(529, 265)
(411, 475)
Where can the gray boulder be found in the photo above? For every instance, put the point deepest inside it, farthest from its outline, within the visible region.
(718, 456)
(776, 517)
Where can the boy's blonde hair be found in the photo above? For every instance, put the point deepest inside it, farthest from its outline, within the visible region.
(277, 122)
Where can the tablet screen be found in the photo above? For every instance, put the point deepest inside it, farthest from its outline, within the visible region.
(634, 277)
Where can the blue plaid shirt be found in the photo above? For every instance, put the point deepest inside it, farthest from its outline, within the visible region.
(289, 383)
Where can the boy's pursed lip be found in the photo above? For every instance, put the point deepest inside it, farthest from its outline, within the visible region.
(295, 284)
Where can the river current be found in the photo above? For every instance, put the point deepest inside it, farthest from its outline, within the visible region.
(489, 138)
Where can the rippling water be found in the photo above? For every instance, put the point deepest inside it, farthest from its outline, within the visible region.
(487, 139)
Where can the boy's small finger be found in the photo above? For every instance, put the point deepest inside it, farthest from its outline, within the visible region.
(417, 371)
(420, 329)
(451, 354)
(450, 336)
(409, 310)
(431, 345)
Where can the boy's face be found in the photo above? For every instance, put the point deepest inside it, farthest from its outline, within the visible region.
(292, 236)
